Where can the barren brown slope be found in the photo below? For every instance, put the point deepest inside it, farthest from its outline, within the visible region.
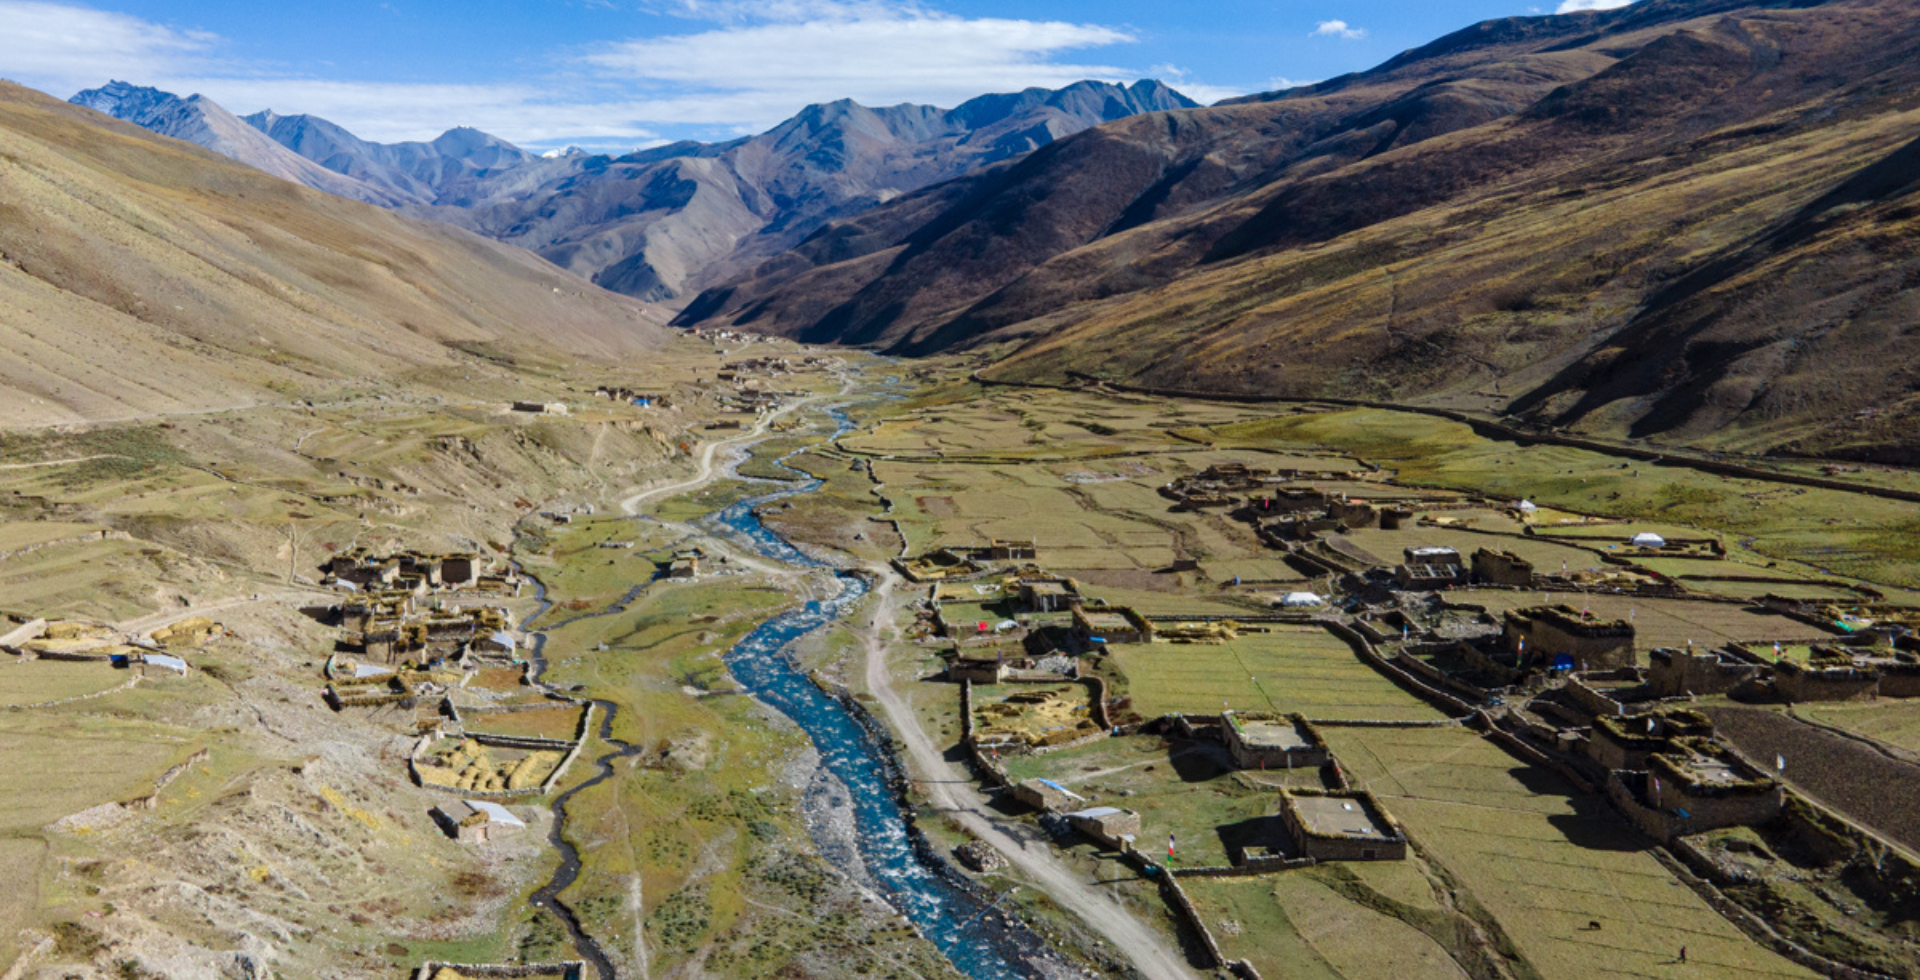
(1529, 254)
(140, 274)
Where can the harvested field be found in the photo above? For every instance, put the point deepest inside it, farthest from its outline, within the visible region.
(35, 681)
(503, 679)
(1032, 714)
(1888, 721)
(1293, 668)
(468, 765)
(1659, 622)
(559, 722)
(1852, 777)
(1292, 925)
(1544, 862)
(20, 862)
(55, 769)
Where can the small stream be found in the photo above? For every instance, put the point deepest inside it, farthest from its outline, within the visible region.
(911, 879)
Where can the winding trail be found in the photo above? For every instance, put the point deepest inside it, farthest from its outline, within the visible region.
(705, 474)
(952, 792)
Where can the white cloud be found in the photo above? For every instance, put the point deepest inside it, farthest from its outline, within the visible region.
(792, 52)
(754, 63)
(1340, 29)
(58, 46)
(1576, 6)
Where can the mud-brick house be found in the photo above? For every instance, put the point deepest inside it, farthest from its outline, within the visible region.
(1825, 680)
(1628, 742)
(1501, 568)
(1109, 625)
(1354, 513)
(1264, 741)
(1675, 673)
(1709, 787)
(1012, 551)
(1543, 634)
(1335, 825)
(1048, 595)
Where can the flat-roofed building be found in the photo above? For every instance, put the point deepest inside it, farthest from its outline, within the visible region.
(1110, 624)
(1257, 741)
(1341, 826)
(1048, 595)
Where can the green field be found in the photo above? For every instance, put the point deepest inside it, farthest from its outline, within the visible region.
(1293, 668)
(1291, 925)
(1546, 864)
(37, 681)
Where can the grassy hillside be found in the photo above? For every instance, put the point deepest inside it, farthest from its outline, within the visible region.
(140, 275)
(1681, 220)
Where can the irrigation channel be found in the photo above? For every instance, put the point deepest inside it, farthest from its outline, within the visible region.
(911, 878)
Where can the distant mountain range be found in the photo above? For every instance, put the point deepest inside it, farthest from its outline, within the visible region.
(661, 223)
(1687, 220)
(145, 275)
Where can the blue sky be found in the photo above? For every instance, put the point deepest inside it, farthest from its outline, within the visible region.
(616, 74)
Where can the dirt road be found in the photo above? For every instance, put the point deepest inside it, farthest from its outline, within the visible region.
(952, 791)
(704, 473)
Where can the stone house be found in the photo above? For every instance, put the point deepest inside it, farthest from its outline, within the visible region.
(1012, 551)
(1261, 741)
(1109, 625)
(1627, 743)
(1711, 787)
(1341, 826)
(1825, 680)
(1501, 568)
(1542, 634)
(1676, 673)
(1048, 595)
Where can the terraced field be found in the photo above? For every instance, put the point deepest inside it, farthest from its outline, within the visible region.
(1547, 864)
(1293, 668)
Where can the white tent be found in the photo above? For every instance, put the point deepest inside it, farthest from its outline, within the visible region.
(1528, 507)
(1648, 539)
(1299, 600)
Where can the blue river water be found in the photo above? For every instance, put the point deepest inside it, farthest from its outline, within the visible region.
(760, 662)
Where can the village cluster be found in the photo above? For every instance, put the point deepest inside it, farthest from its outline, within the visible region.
(425, 641)
(1035, 654)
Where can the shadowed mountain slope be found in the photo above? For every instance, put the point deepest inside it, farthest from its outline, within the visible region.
(660, 223)
(140, 274)
(1681, 220)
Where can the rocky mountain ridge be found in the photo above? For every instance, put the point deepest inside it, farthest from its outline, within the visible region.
(658, 223)
(1675, 220)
